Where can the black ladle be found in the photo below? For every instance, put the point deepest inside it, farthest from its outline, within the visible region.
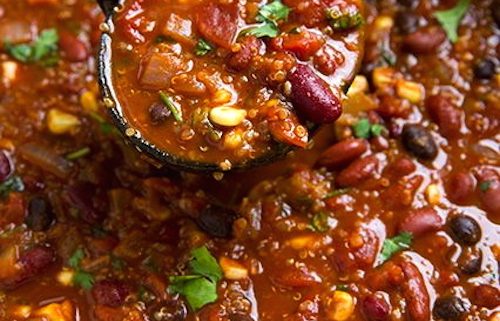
(158, 156)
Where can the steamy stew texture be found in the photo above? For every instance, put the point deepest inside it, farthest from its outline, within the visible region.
(392, 214)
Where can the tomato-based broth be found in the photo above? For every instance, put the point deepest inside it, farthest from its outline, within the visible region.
(392, 213)
(223, 82)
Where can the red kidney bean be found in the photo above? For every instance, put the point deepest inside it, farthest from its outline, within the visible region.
(486, 296)
(73, 49)
(298, 277)
(403, 166)
(489, 186)
(6, 165)
(445, 114)
(342, 152)
(421, 221)
(415, 293)
(460, 187)
(424, 41)
(312, 97)
(110, 292)
(357, 172)
(376, 308)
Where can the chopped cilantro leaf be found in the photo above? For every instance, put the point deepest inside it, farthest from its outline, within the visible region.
(203, 263)
(203, 47)
(84, 279)
(393, 245)
(200, 286)
(43, 50)
(322, 222)
(274, 11)
(376, 130)
(198, 291)
(81, 278)
(13, 184)
(450, 19)
(484, 186)
(269, 15)
(344, 18)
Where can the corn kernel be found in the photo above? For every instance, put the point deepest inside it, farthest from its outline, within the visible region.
(227, 116)
(89, 101)
(384, 77)
(65, 277)
(21, 311)
(232, 140)
(303, 242)
(233, 270)
(221, 96)
(412, 91)
(495, 317)
(9, 71)
(63, 311)
(340, 306)
(60, 122)
(383, 22)
(432, 194)
(359, 84)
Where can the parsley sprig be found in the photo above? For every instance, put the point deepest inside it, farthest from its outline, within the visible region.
(200, 286)
(203, 47)
(450, 19)
(81, 278)
(44, 50)
(269, 16)
(364, 129)
(393, 245)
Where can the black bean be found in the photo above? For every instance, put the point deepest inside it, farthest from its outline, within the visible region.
(406, 22)
(465, 230)
(110, 292)
(159, 113)
(470, 264)
(418, 141)
(450, 308)
(6, 166)
(40, 214)
(485, 69)
(216, 221)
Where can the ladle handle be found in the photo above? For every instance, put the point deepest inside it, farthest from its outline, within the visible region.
(107, 6)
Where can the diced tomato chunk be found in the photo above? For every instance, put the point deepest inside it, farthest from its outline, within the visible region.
(157, 69)
(133, 24)
(304, 44)
(217, 23)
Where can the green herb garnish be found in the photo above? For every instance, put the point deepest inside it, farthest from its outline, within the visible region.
(393, 245)
(82, 278)
(322, 222)
(344, 18)
(176, 111)
(13, 184)
(364, 129)
(200, 286)
(43, 50)
(269, 15)
(106, 127)
(82, 152)
(450, 19)
(484, 186)
(203, 47)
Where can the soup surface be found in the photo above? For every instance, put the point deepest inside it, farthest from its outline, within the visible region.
(392, 214)
(223, 82)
